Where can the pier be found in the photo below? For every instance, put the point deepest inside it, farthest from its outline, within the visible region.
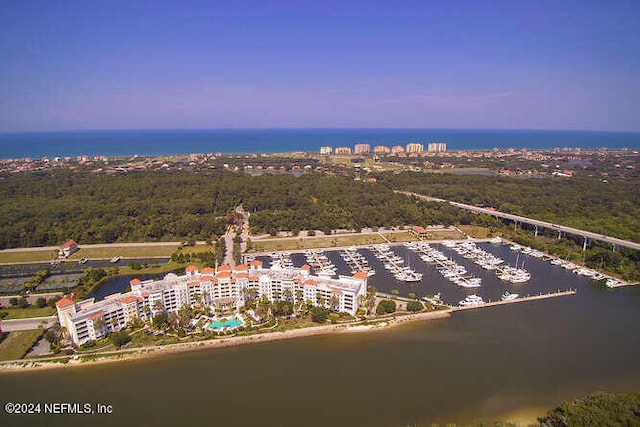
(622, 284)
(359, 266)
(523, 299)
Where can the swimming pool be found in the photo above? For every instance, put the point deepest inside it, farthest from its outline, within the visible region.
(229, 323)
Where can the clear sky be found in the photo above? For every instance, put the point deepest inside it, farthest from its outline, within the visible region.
(208, 64)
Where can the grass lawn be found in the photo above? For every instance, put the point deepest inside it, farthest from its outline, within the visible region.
(336, 240)
(475, 231)
(89, 252)
(27, 256)
(24, 313)
(125, 252)
(162, 268)
(17, 343)
(313, 242)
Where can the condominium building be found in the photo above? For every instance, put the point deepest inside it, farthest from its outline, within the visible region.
(326, 150)
(362, 148)
(397, 149)
(437, 147)
(223, 287)
(343, 150)
(415, 147)
(381, 149)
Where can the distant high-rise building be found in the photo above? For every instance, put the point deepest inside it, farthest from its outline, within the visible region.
(415, 147)
(437, 147)
(362, 148)
(381, 149)
(397, 149)
(343, 150)
(326, 150)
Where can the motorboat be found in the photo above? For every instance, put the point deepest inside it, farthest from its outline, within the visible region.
(509, 297)
(471, 301)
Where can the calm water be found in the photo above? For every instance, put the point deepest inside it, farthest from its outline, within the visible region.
(498, 362)
(157, 142)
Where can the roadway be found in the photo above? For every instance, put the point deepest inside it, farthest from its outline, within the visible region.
(559, 228)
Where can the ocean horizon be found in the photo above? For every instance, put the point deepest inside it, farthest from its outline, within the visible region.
(115, 143)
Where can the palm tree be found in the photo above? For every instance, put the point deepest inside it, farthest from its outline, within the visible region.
(319, 299)
(158, 306)
(334, 303)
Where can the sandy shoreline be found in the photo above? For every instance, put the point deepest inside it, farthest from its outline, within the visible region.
(155, 351)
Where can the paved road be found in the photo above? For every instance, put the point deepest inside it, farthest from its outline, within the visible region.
(560, 228)
(26, 324)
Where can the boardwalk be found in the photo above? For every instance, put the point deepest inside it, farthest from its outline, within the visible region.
(543, 224)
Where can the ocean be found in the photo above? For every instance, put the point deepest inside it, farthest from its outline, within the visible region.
(186, 141)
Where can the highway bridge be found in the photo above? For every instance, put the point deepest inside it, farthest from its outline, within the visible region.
(536, 223)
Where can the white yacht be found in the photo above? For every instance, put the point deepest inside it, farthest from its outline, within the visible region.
(115, 259)
(509, 297)
(471, 301)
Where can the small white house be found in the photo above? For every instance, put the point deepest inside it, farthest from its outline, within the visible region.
(68, 248)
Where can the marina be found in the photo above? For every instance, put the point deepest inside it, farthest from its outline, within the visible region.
(393, 263)
(356, 261)
(449, 269)
(320, 263)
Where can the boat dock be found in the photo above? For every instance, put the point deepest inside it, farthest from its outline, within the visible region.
(385, 258)
(621, 284)
(523, 299)
(359, 266)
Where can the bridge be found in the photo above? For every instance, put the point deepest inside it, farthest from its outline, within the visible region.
(536, 223)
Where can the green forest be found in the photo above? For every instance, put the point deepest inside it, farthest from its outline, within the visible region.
(585, 202)
(42, 209)
(597, 409)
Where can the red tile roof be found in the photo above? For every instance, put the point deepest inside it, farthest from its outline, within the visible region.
(206, 278)
(135, 282)
(310, 282)
(242, 275)
(225, 267)
(95, 316)
(224, 274)
(253, 278)
(207, 270)
(68, 243)
(336, 291)
(190, 268)
(192, 284)
(256, 263)
(145, 294)
(305, 267)
(65, 302)
(241, 267)
(129, 299)
(360, 275)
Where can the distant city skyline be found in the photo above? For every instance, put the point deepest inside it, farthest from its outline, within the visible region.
(207, 65)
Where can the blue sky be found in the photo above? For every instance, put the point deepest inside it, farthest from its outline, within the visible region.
(211, 64)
